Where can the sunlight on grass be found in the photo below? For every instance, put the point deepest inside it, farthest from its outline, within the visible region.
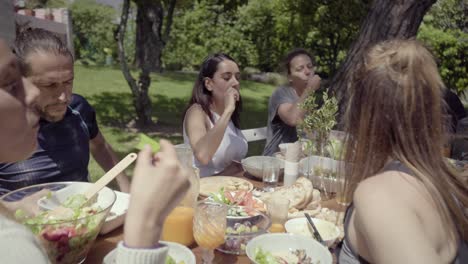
(108, 92)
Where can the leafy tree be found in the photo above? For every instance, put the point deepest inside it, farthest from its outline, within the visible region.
(278, 26)
(444, 30)
(203, 29)
(93, 27)
(258, 33)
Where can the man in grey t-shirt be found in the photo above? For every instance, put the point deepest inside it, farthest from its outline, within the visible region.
(284, 113)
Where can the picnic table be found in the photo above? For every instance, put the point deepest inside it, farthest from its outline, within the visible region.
(106, 243)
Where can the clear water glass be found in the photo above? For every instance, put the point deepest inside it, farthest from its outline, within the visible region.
(270, 171)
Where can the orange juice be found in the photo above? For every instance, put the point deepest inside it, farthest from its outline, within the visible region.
(178, 226)
(277, 228)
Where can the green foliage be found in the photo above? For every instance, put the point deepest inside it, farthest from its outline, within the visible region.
(443, 31)
(259, 33)
(93, 28)
(319, 121)
(202, 30)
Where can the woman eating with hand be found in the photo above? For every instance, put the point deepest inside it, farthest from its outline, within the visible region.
(212, 123)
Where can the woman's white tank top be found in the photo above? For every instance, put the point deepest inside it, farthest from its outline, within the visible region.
(233, 146)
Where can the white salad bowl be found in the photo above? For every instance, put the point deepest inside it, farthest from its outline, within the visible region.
(283, 244)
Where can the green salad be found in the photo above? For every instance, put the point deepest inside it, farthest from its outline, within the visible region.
(297, 256)
(67, 237)
(170, 260)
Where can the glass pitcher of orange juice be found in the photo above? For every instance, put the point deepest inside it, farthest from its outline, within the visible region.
(178, 226)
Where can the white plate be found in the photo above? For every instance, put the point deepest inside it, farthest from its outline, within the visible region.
(284, 242)
(117, 213)
(299, 226)
(177, 251)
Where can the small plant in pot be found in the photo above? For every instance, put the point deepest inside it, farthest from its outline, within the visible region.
(319, 121)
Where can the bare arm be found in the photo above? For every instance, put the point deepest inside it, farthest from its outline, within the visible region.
(389, 228)
(106, 158)
(292, 114)
(205, 142)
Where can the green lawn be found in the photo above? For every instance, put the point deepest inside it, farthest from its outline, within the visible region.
(108, 92)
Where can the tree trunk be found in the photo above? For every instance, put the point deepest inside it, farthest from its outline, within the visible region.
(149, 42)
(141, 100)
(386, 19)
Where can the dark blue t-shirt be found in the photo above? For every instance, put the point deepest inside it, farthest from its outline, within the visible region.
(62, 153)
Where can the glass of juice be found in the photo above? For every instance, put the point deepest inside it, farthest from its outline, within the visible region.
(178, 226)
(209, 227)
(277, 209)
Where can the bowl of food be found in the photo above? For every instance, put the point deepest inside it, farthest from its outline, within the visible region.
(254, 165)
(287, 248)
(328, 231)
(241, 229)
(68, 234)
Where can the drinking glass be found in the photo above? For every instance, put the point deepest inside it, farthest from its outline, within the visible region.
(270, 170)
(340, 197)
(277, 209)
(209, 227)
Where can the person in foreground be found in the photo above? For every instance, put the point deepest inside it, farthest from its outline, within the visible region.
(68, 131)
(284, 113)
(156, 178)
(211, 123)
(408, 204)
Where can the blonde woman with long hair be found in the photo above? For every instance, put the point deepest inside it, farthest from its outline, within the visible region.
(408, 204)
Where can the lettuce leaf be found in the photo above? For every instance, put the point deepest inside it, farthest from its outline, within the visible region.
(264, 257)
(145, 140)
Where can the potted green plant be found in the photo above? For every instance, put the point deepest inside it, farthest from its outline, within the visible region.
(319, 121)
(317, 125)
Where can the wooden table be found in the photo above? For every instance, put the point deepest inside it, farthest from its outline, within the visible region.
(105, 244)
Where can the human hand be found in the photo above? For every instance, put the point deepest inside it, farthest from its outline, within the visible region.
(159, 184)
(313, 83)
(231, 97)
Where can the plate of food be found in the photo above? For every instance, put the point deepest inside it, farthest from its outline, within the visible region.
(287, 248)
(178, 254)
(300, 226)
(209, 185)
(242, 204)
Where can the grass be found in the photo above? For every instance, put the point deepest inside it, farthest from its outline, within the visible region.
(108, 92)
